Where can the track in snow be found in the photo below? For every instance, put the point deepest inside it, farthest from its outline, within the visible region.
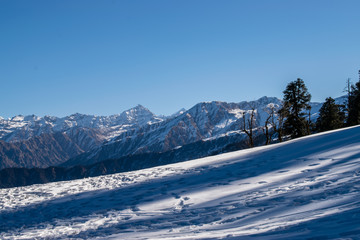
(309, 187)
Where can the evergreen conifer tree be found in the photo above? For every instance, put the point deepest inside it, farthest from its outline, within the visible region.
(330, 116)
(296, 101)
(354, 105)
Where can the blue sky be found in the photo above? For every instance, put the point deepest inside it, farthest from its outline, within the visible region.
(103, 57)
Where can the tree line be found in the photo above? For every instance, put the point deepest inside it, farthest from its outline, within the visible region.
(293, 118)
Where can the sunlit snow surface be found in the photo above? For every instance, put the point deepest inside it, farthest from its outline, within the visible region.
(306, 188)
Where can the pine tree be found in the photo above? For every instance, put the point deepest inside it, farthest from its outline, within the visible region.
(296, 101)
(354, 105)
(330, 116)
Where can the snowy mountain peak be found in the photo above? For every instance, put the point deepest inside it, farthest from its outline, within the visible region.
(79, 115)
(18, 118)
(261, 103)
(140, 107)
(178, 113)
(31, 118)
(139, 115)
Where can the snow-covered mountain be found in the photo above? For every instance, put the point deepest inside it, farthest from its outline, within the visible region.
(204, 121)
(135, 131)
(308, 188)
(31, 141)
(21, 127)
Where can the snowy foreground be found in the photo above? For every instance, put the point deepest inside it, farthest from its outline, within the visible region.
(305, 188)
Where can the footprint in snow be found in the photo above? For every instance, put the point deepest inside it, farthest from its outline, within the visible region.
(262, 182)
(181, 204)
(135, 209)
(177, 196)
(243, 183)
(314, 164)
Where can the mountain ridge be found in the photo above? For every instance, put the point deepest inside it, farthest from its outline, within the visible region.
(134, 131)
(203, 121)
(22, 127)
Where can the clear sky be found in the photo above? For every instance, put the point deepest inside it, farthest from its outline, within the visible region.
(60, 57)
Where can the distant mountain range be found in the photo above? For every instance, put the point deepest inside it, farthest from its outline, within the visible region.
(21, 128)
(205, 129)
(31, 141)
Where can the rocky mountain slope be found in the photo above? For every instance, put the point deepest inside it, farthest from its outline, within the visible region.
(32, 141)
(203, 122)
(48, 149)
(14, 177)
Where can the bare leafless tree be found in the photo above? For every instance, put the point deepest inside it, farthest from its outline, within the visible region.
(277, 121)
(309, 123)
(271, 115)
(248, 125)
(347, 89)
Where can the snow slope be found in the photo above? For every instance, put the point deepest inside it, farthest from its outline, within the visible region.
(304, 188)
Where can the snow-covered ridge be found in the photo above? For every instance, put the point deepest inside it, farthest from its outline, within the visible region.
(33, 125)
(137, 130)
(204, 121)
(301, 189)
(23, 127)
(128, 123)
